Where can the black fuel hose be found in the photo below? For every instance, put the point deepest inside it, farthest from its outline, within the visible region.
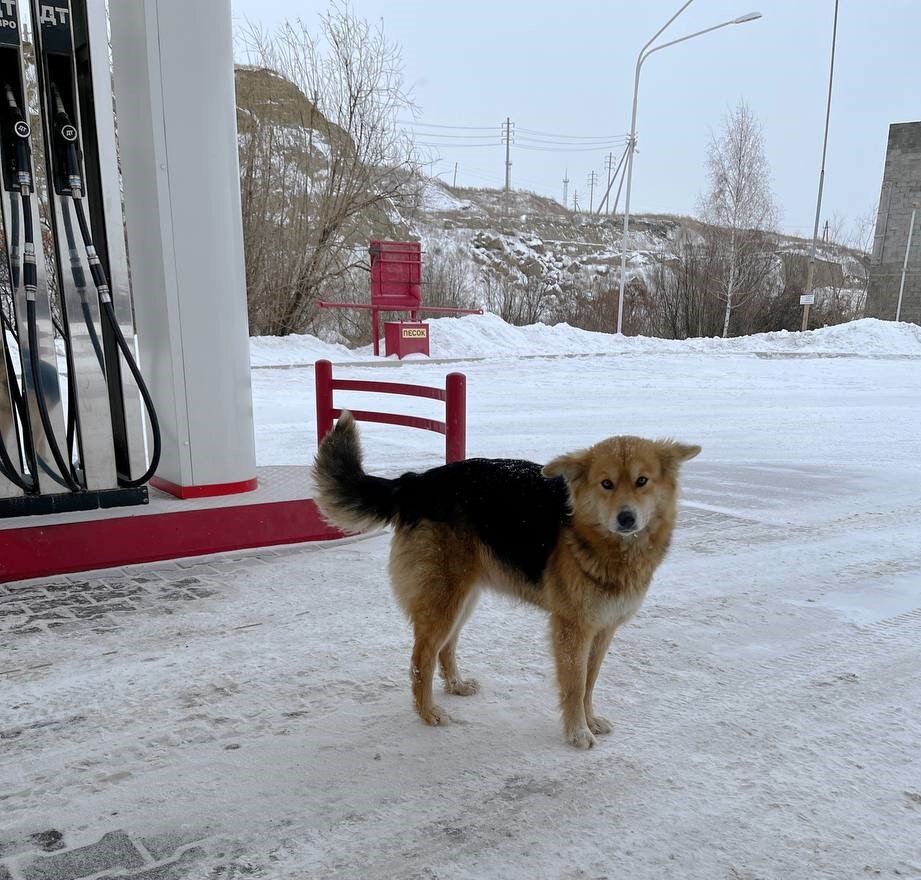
(105, 300)
(79, 276)
(19, 401)
(62, 465)
(30, 282)
(15, 257)
(71, 398)
(9, 470)
(69, 135)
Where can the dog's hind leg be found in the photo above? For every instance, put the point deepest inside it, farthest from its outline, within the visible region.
(597, 724)
(447, 662)
(571, 646)
(434, 618)
(433, 578)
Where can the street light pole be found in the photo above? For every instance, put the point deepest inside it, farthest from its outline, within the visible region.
(631, 142)
(810, 271)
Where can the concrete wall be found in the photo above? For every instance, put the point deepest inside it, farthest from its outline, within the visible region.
(900, 191)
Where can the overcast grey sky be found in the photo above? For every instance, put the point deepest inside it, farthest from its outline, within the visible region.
(567, 68)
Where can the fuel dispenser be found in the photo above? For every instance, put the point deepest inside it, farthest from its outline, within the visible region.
(126, 410)
(70, 433)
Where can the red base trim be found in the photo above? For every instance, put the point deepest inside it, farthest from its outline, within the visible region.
(212, 490)
(40, 551)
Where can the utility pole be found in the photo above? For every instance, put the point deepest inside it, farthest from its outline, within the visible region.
(575, 201)
(609, 162)
(807, 297)
(566, 188)
(454, 184)
(507, 136)
(592, 180)
(604, 200)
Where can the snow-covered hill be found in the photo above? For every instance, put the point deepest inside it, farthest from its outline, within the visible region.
(520, 254)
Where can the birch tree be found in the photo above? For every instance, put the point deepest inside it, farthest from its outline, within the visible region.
(740, 205)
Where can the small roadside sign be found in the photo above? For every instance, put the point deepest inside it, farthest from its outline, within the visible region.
(807, 299)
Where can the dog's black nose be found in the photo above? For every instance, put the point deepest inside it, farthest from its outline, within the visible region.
(626, 519)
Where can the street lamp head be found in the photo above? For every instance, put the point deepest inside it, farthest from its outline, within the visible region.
(749, 16)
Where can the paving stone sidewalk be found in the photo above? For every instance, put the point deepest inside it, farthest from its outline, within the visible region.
(46, 855)
(101, 602)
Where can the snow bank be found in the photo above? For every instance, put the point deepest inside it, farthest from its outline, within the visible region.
(476, 336)
(489, 336)
(272, 351)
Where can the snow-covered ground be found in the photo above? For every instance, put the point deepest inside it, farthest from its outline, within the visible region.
(766, 701)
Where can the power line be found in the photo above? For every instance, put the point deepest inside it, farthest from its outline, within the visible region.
(456, 127)
(602, 147)
(543, 149)
(471, 137)
(522, 146)
(531, 134)
(579, 137)
(574, 142)
(454, 146)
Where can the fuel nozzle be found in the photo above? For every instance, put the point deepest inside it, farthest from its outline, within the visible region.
(21, 131)
(67, 132)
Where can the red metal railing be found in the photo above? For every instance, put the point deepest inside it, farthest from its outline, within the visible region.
(454, 395)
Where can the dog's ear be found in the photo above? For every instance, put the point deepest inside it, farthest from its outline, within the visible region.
(673, 453)
(571, 466)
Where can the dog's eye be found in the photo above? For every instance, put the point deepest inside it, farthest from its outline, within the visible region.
(641, 481)
(606, 484)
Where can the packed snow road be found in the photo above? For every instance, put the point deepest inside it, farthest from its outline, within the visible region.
(252, 717)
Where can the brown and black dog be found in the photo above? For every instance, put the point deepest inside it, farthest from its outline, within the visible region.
(580, 538)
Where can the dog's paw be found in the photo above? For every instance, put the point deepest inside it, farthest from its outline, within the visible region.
(582, 738)
(599, 725)
(463, 687)
(435, 716)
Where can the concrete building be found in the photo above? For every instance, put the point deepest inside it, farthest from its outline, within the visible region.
(901, 191)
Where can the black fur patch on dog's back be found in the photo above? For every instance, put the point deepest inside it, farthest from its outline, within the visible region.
(513, 509)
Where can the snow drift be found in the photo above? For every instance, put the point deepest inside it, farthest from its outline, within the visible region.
(477, 336)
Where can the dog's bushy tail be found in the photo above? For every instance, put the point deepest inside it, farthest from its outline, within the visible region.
(347, 497)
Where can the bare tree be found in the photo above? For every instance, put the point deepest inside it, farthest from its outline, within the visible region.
(323, 161)
(860, 239)
(681, 290)
(449, 279)
(740, 204)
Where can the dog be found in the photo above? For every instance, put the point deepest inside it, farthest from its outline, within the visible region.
(579, 537)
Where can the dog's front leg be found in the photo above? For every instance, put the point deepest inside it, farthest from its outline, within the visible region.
(600, 644)
(571, 645)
